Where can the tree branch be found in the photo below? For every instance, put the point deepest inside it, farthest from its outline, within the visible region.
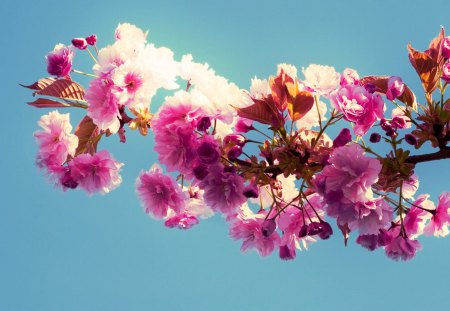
(444, 153)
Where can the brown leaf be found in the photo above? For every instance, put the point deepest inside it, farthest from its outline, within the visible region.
(280, 87)
(63, 89)
(428, 69)
(88, 136)
(435, 48)
(47, 103)
(380, 83)
(345, 232)
(41, 84)
(303, 103)
(263, 111)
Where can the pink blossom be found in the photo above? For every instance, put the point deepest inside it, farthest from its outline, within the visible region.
(55, 140)
(343, 138)
(243, 125)
(223, 189)
(399, 113)
(396, 87)
(175, 140)
(414, 221)
(349, 76)
(349, 176)
(249, 229)
(446, 47)
(59, 61)
(410, 186)
(80, 43)
(181, 221)
(103, 106)
(438, 225)
(91, 40)
(159, 193)
(96, 173)
(321, 79)
(402, 248)
(208, 150)
(372, 216)
(358, 106)
(446, 72)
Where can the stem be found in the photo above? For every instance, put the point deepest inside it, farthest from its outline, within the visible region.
(92, 55)
(84, 73)
(444, 153)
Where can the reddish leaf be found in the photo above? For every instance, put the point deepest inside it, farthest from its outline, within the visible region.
(345, 232)
(280, 86)
(435, 48)
(41, 84)
(263, 111)
(64, 89)
(428, 69)
(47, 103)
(380, 84)
(88, 136)
(303, 103)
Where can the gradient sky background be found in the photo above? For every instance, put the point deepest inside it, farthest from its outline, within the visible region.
(68, 251)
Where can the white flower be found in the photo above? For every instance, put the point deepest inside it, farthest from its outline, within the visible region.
(321, 79)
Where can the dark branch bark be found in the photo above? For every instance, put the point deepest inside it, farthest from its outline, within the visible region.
(444, 153)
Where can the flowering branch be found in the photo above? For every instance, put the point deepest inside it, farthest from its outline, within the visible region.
(282, 192)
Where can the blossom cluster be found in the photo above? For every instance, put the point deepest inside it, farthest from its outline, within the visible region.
(263, 157)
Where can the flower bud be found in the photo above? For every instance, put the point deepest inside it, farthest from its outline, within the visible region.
(80, 43)
(385, 125)
(268, 227)
(234, 152)
(91, 40)
(234, 139)
(326, 232)
(286, 253)
(251, 191)
(343, 138)
(396, 87)
(446, 47)
(411, 139)
(204, 124)
(243, 126)
(303, 231)
(315, 228)
(375, 138)
(446, 72)
(398, 122)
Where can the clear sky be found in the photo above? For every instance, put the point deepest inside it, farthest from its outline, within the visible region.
(68, 251)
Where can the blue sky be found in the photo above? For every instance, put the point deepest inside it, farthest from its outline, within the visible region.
(68, 251)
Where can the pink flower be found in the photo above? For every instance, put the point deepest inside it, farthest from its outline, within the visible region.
(223, 189)
(358, 106)
(446, 72)
(208, 150)
(446, 47)
(59, 61)
(243, 125)
(396, 87)
(159, 193)
(372, 216)
(414, 221)
(349, 76)
(96, 173)
(175, 140)
(181, 221)
(249, 229)
(438, 225)
(55, 141)
(343, 138)
(103, 105)
(410, 186)
(91, 40)
(80, 43)
(349, 175)
(402, 248)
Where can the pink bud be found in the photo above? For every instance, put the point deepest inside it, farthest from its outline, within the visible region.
(327, 231)
(343, 138)
(446, 47)
(396, 87)
(91, 40)
(234, 152)
(244, 125)
(234, 139)
(375, 138)
(80, 43)
(446, 72)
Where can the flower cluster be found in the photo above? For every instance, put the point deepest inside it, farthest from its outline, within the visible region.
(261, 158)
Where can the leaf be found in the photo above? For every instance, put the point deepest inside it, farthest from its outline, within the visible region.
(263, 111)
(380, 83)
(88, 136)
(303, 103)
(63, 89)
(47, 103)
(345, 232)
(41, 84)
(435, 48)
(428, 69)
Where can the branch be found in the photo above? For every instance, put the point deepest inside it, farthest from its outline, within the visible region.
(444, 153)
